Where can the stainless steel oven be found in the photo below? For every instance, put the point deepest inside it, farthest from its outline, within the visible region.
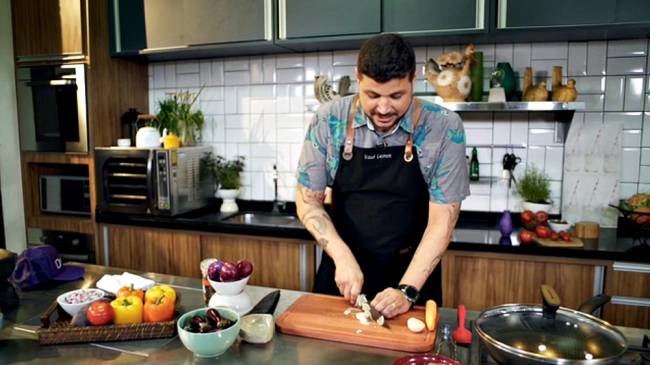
(152, 181)
(52, 113)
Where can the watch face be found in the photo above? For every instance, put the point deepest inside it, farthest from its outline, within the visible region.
(410, 292)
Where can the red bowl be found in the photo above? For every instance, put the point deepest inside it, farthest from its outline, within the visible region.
(425, 359)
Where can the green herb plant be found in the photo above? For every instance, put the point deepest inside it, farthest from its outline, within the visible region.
(534, 186)
(177, 116)
(225, 172)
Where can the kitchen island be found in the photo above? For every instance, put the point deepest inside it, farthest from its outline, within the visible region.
(18, 344)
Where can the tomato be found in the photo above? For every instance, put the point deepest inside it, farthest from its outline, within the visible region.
(555, 236)
(565, 236)
(100, 313)
(543, 232)
(527, 216)
(541, 216)
(525, 237)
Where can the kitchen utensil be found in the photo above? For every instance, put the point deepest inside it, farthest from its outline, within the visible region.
(322, 316)
(548, 334)
(575, 242)
(557, 226)
(446, 345)
(461, 335)
(257, 328)
(267, 304)
(425, 359)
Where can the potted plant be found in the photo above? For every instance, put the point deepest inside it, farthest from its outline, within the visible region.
(178, 118)
(534, 189)
(226, 174)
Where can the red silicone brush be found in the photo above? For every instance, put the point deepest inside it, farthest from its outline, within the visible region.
(461, 335)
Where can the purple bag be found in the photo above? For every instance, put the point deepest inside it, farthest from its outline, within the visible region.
(40, 264)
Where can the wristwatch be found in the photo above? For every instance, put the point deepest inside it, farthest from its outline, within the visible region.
(410, 292)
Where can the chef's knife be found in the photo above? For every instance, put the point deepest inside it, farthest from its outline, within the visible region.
(375, 315)
(267, 304)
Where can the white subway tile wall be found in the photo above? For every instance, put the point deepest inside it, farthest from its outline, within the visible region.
(260, 106)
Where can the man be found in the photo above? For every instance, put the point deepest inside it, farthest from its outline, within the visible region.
(397, 170)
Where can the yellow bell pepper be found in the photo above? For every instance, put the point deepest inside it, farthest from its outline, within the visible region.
(155, 292)
(127, 310)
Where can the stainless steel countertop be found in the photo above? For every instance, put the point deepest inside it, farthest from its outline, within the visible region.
(18, 342)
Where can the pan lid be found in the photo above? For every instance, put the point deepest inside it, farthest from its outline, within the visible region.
(545, 333)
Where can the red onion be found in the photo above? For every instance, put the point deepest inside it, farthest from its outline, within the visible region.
(214, 270)
(244, 268)
(228, 272)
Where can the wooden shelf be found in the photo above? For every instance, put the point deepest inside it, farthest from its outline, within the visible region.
(62, 223)
(56, 158)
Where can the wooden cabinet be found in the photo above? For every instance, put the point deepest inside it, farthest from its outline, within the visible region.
(162, 251)
(629, 286)
(48, 29)
(560, 13)
(424, 16)
(279, 263)
(316, 18)
(484, 280)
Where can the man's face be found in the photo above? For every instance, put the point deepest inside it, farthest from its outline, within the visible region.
(385, 103)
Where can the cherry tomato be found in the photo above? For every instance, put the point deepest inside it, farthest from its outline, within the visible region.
(100, 313)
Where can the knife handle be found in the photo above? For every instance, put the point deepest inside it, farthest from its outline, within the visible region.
(462, 312)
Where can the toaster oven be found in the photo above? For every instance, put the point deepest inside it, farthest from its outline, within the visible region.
(152, 181)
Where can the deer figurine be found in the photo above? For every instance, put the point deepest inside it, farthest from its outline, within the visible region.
(449, 74)
(533, 93)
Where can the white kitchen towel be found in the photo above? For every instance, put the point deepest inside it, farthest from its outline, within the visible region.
(113, 283)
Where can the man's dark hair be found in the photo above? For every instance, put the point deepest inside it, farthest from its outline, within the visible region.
(385, 57)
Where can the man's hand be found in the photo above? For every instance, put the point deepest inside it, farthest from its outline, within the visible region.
(349, 279)
(391, 302)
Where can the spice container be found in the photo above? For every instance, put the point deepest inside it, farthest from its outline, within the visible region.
(208, 291)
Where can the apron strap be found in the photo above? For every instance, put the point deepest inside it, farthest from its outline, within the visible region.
(349, 130)
(408, 149)
(348, 143)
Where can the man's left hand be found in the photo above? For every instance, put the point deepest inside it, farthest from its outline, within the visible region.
(391, 302)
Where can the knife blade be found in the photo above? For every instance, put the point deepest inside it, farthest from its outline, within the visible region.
(377, 317)
(267, 304)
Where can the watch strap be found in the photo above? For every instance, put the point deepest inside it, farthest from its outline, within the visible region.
(411, 293)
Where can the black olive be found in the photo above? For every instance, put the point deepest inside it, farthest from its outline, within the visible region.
(213, 317)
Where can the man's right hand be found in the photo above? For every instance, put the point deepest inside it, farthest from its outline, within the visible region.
(349, 279)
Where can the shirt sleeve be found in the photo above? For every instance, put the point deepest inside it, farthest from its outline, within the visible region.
(449, 181)
(312, 170)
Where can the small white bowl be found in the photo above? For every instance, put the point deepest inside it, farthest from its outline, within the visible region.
(229, 287)
(74, 308)
(124, 142)
(257, 328)
(240, 303)
(557, 227)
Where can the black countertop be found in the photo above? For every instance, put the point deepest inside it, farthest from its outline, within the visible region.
(476, 232)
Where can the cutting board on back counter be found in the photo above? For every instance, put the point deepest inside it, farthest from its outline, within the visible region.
(322, 316)
(575, 242)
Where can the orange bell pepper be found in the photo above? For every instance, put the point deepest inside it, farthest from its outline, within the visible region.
(160, 310)
(127, 291)
(127, 310)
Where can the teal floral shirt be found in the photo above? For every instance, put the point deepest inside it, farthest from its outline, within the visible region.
(439, 141)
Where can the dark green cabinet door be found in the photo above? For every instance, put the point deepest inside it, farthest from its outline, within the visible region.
(554, 13)
(632, 11)
(424, 16)
(175, 24)
(126, 26)
(325, 18)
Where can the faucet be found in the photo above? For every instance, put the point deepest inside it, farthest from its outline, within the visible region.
(276, 203)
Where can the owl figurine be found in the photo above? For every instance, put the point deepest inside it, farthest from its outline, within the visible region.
(449, 74)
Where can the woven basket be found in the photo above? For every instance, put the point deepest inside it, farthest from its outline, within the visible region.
(61, 331)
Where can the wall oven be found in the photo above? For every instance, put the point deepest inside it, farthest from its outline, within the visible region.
(52, 113)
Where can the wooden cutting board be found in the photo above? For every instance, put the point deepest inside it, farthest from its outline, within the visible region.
(322, 316)
(575, 242)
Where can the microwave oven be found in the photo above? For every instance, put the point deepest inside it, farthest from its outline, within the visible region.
(64, 194)
(52, 108)
(152, 181)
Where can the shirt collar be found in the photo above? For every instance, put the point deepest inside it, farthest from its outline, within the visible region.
(360, 119)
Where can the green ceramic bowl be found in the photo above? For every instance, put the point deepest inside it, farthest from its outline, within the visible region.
(209, 344)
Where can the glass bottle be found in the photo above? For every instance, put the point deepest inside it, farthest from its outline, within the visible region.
(446, 345)
(473, 166)
(208, 291)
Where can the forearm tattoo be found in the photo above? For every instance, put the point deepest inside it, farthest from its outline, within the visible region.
(314, 217)
(323, 243)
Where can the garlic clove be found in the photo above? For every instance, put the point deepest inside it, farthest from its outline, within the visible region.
(415, 325)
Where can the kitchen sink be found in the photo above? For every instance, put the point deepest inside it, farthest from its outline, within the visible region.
(265, 220)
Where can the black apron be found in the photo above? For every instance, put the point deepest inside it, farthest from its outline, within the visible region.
(380, 207)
